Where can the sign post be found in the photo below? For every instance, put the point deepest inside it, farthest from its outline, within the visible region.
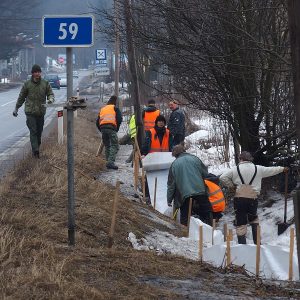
(69, 31)
(60, 122)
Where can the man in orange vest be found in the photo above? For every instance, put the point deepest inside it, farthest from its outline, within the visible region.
(216, 198)
(158, 138)
(150, 114)
(108, 122)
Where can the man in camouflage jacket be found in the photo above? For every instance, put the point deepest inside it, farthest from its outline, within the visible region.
(34, 93)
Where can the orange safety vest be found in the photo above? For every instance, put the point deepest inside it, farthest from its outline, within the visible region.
(149, 119)
(155, 144)
(107, 115)
(215, 196)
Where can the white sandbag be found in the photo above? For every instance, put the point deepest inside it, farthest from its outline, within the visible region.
(157, 161)
(274, 260)
(207, 232)
(161, 192)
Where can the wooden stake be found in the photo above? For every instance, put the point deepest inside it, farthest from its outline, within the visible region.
(292, 236)
(225, 232)
(258, 251)
(137, 147)
(155, 189)
(100, 149)
(189, 216)
(212, 231)
(143, 184)
(201, 243)
(228, 250)
(136, 170)
(113, 218)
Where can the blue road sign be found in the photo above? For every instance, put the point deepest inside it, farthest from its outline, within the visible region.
(101, 54)
(68, 31)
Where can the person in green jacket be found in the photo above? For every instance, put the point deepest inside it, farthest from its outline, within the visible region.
(185, 181)
(34, 93)
(132, 133)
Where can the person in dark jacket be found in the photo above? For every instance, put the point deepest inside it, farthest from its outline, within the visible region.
(34, 93)
(158, 138)
(185, 181)
(108, 122)
(176, 123)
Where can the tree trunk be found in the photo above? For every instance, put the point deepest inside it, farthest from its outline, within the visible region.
(133, 72)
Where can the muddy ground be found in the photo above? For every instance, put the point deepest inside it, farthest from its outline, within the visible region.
(37, 262)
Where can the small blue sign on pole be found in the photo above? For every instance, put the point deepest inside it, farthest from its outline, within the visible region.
(101, 54)
(68, 31)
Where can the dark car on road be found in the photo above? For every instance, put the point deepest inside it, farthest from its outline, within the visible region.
(53, 79)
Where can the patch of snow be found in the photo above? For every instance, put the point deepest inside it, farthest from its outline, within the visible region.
(274, 255)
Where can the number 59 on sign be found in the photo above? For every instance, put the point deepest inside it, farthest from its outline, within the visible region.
(67, 31)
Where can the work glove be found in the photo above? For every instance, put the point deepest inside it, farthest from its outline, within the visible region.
(170, 204)
(286, 169)
(50, 101)
(15, 112)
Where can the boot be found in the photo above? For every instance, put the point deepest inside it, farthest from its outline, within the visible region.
(241, 239)
(111, 165)
(129, 159)
(36, 154)
(254, 233)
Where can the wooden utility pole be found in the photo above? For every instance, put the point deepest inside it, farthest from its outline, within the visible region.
(133, 72)
(294, 26)
(117, 48)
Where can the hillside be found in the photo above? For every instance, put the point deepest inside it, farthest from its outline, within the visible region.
(37, 262)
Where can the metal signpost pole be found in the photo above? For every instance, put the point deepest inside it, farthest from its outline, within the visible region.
(70, 148)
(69, 31)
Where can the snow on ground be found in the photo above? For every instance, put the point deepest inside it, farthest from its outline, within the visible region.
(166, 243)
(163, 242)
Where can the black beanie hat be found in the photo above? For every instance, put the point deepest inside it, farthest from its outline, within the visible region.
(160, 118)
(151, 102)
(36, 68)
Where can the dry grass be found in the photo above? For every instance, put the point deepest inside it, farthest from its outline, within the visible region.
(36, 261)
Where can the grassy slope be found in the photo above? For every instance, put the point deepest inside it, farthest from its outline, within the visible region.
(36, 261)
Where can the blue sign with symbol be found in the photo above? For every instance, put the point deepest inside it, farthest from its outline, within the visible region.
(68, 31)
(101, 54)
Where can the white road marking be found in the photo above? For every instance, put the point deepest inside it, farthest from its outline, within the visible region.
(8, 103)
(24, 140)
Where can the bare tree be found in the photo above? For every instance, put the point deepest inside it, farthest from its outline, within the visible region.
(14, 17)
(228, 58)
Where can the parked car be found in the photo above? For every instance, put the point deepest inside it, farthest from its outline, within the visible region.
(53, 79)
(75, 74)
(63, 80)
